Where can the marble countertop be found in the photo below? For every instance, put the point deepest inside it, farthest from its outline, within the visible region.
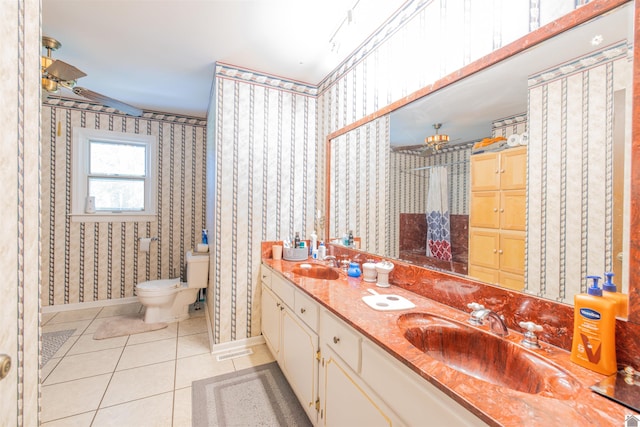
(494, 404)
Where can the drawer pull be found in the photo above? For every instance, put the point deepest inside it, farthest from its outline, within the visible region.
(303, 310)
(281, 307)
(336, 340)
(277, 304)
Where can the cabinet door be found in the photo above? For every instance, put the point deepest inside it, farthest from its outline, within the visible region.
(485, 172)
(487, 275)
(511, 281)
(344, 399)
(298, 361)
(513, 169)
(513, 210)
(271, 307)
(483, 248)
(484, 209)
(512, 252)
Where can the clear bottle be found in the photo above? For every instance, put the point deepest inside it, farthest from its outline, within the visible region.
(351, 239)
(322, 251)
(296, 240)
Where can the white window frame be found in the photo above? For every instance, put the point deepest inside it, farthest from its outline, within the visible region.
(80, 171)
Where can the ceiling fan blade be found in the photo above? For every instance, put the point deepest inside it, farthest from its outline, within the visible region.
(109, 102)
(62, 71)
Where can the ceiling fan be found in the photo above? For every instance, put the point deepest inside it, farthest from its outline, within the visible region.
(56, 73)
(432, 144)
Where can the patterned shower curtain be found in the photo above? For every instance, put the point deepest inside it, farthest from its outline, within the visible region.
(438, 236)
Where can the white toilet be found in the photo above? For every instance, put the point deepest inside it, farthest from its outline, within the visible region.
(168, 300)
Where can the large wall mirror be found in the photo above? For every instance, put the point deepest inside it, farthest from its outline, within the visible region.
(566, 103)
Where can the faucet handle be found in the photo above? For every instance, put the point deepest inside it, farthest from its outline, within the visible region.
(530, 339)
(474, 306)
(530, 326)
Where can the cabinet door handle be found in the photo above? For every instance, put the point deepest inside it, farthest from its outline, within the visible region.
(303, 310)
(277, 304)
(336, 340)
(500, 251)
(495, 209)
(502, 171)
(495, 250)
(502, 210)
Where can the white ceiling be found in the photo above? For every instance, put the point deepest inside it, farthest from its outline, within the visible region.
(466, 109)
(160, 55)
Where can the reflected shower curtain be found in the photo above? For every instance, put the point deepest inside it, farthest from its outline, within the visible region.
(438, 236)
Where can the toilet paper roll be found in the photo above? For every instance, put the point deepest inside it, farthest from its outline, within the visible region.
(145, 243)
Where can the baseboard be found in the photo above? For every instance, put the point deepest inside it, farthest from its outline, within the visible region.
(232, 345)
(88, 304)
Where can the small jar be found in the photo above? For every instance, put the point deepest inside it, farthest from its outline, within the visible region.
(354, 270)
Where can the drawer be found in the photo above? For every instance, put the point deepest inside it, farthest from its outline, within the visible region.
(307, 310)
(265, 275)
(283, 289)
(341, 338)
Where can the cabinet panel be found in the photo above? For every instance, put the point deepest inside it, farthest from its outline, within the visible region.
(298, 360)
(307, 310)
(283, 289)
(484, 209)
(342, 339)
(485, 170)
(345, 400)
(265, 273)
(513, 210)
(511, 281)
(270, 321)
(484, 274)
(512, 252)
(483, 248)
(513, 169)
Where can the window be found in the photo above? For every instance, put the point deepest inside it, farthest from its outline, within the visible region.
(116, 170)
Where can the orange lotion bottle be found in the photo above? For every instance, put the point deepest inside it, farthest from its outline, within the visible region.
(610, 291)
(594, 345)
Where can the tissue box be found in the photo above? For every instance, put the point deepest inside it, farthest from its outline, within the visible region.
(295, 254)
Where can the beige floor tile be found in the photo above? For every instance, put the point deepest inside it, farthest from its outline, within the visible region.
(82, 420)
(87, 344)
(64, 348)
(182, 407)
(120, 309)
(48, 368)
(84, 365)
(46, 317)
(73, 397)
(171, 331)
(193, 325)
(138, 383)
(261, 355)
(78, 326)
(190, 345)
(75, 315)
(155, 411)
(198, 367)
(147, 354)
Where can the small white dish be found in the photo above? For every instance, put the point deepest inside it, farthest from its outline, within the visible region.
(513, 140)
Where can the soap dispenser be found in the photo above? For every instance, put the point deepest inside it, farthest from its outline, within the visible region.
(594, 323)
(610, 291)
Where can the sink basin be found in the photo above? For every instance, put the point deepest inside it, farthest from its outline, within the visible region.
(485, 356)
(316, 271)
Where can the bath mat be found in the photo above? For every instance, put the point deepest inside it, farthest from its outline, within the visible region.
(125, 325)
(51, 343)
(257, 396)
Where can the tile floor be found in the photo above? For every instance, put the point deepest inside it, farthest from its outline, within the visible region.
(137, 380)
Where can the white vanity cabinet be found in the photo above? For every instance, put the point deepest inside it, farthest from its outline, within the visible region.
(345, 399)
(340, 377)
(292, 338)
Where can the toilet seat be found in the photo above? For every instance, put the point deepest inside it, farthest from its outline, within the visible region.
(162, 284)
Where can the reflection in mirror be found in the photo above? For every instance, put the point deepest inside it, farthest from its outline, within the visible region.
(569, 104)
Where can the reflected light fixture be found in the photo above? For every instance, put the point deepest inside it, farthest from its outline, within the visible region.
(438, 140)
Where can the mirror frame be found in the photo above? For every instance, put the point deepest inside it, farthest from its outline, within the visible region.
(577, 17)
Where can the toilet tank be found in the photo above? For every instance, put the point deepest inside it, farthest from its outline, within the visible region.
(197, 270)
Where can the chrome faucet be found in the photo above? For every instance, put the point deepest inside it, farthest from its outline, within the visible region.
(496, 322)
(332, 259)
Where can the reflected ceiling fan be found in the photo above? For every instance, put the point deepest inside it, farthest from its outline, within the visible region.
(56, 73)
(432, 144)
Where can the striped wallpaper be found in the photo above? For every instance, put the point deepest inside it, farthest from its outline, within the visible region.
(264, 170)
(92, 261)
(569, 201)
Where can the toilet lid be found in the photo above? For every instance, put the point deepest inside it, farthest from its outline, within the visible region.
(160, 284)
